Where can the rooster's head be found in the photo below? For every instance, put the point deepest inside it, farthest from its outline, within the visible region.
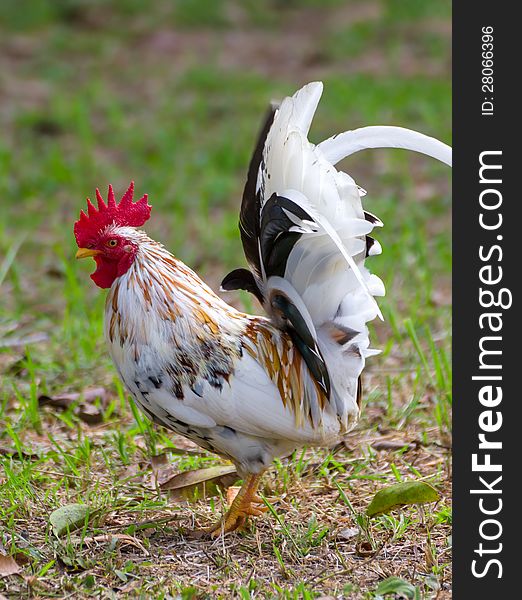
(103, 234)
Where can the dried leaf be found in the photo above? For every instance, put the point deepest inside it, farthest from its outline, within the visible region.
(200, 482)
(13, 453)
(400, 494)
(33, 338)
(391, 445)
(162, 476)
(188, 478)
(21, 558)
(348, 533)
(232, 492)
(68, 518)
(8, 566)
(90, 414)
(13, 364)
(65, 400)
(364, 548)
(87, 411)
(92, 394)
(159, 460)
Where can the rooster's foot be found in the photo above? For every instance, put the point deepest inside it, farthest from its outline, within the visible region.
(246, 504)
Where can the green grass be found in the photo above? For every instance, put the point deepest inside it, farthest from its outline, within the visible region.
(105, 92)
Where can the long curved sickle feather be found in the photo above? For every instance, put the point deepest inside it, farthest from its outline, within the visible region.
(347, 143)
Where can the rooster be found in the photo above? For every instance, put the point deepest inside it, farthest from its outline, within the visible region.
(253, 388)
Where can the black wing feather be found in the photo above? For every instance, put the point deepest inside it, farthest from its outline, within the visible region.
(251, 203)
(242, 279)
(275, 240)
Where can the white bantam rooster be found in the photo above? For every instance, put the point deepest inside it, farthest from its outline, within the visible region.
(253, 388)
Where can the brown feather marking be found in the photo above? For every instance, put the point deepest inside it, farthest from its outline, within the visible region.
(205, 319)
(275, 351)
(115, 297)
(146, 294)
(121, 330)
(112, 326)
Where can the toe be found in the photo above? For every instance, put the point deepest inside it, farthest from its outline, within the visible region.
(253, 511)
(227, 525)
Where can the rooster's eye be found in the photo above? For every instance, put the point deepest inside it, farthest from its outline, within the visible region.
(112, 243)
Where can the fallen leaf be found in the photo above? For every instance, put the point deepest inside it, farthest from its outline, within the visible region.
(87, 411)
(65, 400)
(90, 414)
(364, 548)
(8, 566)
(200, 482)
(400, 494)
(392, 445)
(232, 492)
(57, 401)
(33, 338)
(13, 364)
(68, 518)
(188, 478)
(159, 460)
(441, 297)
(160, 477)
(13, 453)
(21, 558)
(348, 533)
(91, 394)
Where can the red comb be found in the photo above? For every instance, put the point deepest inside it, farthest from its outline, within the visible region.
(125, 214)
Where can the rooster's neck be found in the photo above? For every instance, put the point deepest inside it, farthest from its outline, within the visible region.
(160, 294)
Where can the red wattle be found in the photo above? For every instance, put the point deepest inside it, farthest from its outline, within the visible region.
(108, 270)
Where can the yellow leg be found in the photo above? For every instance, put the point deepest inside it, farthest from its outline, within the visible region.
(246, 504)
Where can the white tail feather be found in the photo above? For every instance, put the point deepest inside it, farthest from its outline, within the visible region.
(305, 174)
(329, 230)
(345, 144)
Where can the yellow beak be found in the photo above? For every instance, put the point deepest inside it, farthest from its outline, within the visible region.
(86, 252)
